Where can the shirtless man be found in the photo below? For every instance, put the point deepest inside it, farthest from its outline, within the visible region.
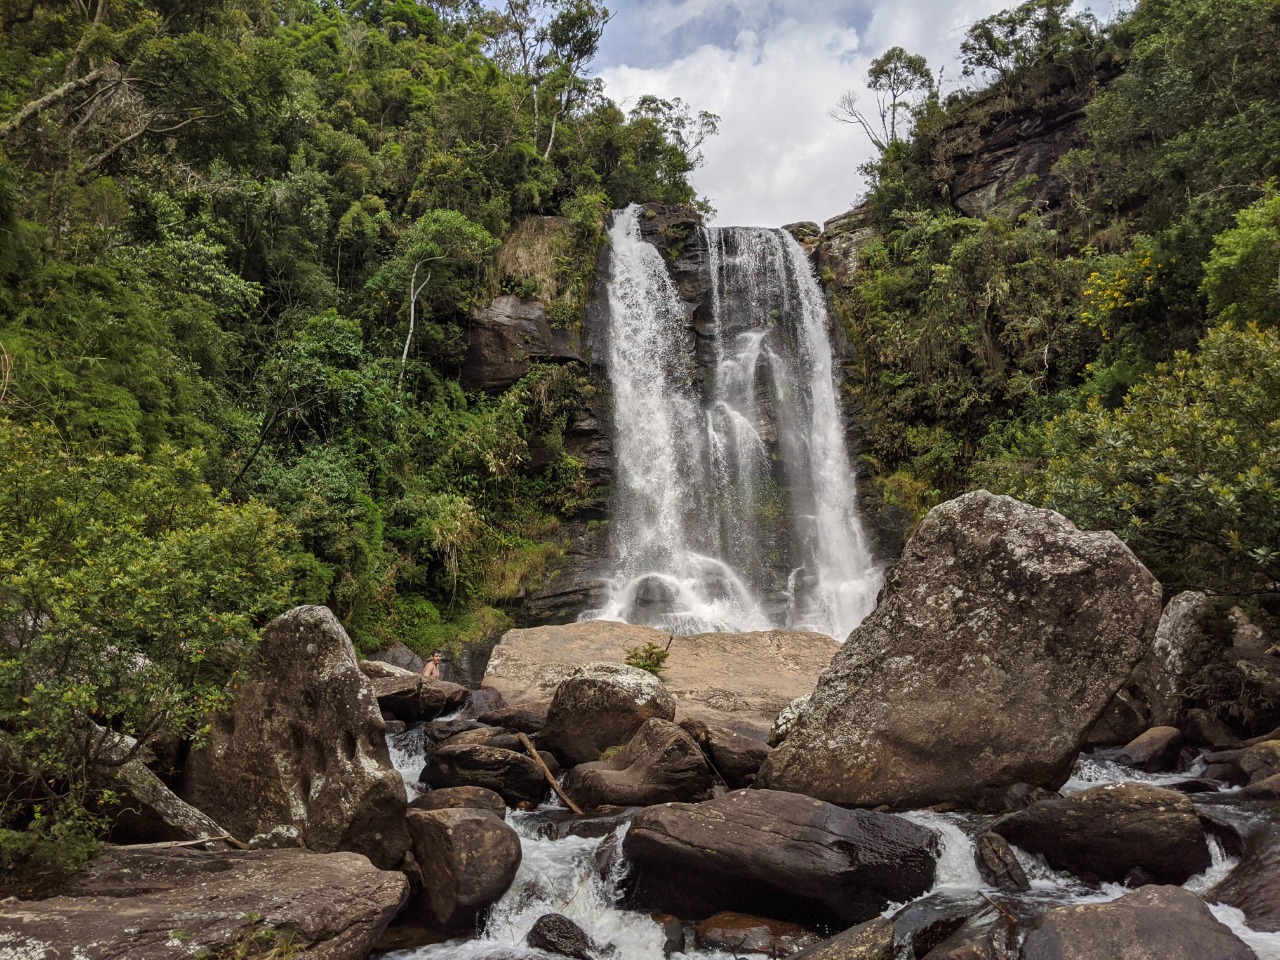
(432, 669)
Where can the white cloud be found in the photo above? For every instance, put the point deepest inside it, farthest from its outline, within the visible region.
(772, 69)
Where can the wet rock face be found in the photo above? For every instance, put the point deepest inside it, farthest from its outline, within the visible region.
(602, 705)
(505, 338)
(1154, 923)
(558, 934)
(776, 854)
(660, 764)
(998, 864)
(159, 901)
(468, 860)
(1114, 832)
(1254, 885)
(741, 933)
(998, 639)
(304, 745)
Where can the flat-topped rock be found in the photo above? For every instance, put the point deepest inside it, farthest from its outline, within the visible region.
(166, 902)
(735, 680)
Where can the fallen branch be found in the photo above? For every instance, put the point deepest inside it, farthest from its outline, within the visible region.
(225, 838)
(998, 907)
(537, 758)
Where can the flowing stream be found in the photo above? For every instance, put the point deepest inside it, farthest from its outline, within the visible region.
(581, 878)
(734, 505)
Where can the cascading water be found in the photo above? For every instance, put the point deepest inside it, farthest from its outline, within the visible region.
(734, 504)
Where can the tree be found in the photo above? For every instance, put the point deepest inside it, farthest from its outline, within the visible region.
(130, 596)
(456, 245)
(1242, 275)
(1011, 41)
(894, 77)
(1187, 470)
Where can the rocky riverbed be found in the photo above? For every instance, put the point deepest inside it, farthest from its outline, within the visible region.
(955, 782)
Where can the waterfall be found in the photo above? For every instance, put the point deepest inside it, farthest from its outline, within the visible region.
(734, 505)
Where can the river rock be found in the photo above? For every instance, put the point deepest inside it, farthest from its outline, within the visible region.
(168, 902)
(739, 681)
(1108, 832)
(660, 764)
(777, 855)
(528, 719)
(1265, 789)
(513, 776)
(1253, 886)
(1154, 751)
(739, 933)
(1154, 923)
(463, 798)
(482, 736)
(734, 758)
(481, 702)
(303, 745)
(1162, 675)
(1205, 730)
(872, 940)
(998, 864)
(1260, 761)
(602, 705)
(998, 640)
(468, 860)
(1124, 717)
(409, 696)
(554, 933)
(398, 655)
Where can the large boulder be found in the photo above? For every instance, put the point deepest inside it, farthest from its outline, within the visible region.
(739, 681)
(1114, 832)
(1154, 923)
(468, 860)
(779, 855)
(398, 655)
(602, 705)
(1153, 751)
(515, 777)
(304, 745)
(173, 902)
(660, 764)
(998, 639)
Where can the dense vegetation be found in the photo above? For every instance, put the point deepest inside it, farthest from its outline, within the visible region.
(239, 244)
(1109, 346)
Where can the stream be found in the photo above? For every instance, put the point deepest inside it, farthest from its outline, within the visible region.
(573, 876)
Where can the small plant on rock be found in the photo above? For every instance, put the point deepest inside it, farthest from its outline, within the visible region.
(650, 657)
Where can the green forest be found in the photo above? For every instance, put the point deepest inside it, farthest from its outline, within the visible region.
(240, 241)
(216, 223)
(1107, 348)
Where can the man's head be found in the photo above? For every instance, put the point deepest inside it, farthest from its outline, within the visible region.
(437, 655)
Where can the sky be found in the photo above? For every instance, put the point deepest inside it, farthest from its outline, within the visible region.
(772, 69)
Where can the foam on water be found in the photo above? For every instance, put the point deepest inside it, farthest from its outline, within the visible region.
(734, 503)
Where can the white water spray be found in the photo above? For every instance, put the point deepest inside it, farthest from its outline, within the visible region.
(735, 506)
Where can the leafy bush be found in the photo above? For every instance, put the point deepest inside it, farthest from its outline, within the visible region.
(1187, 470)
(650, 657)
(130, 597)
